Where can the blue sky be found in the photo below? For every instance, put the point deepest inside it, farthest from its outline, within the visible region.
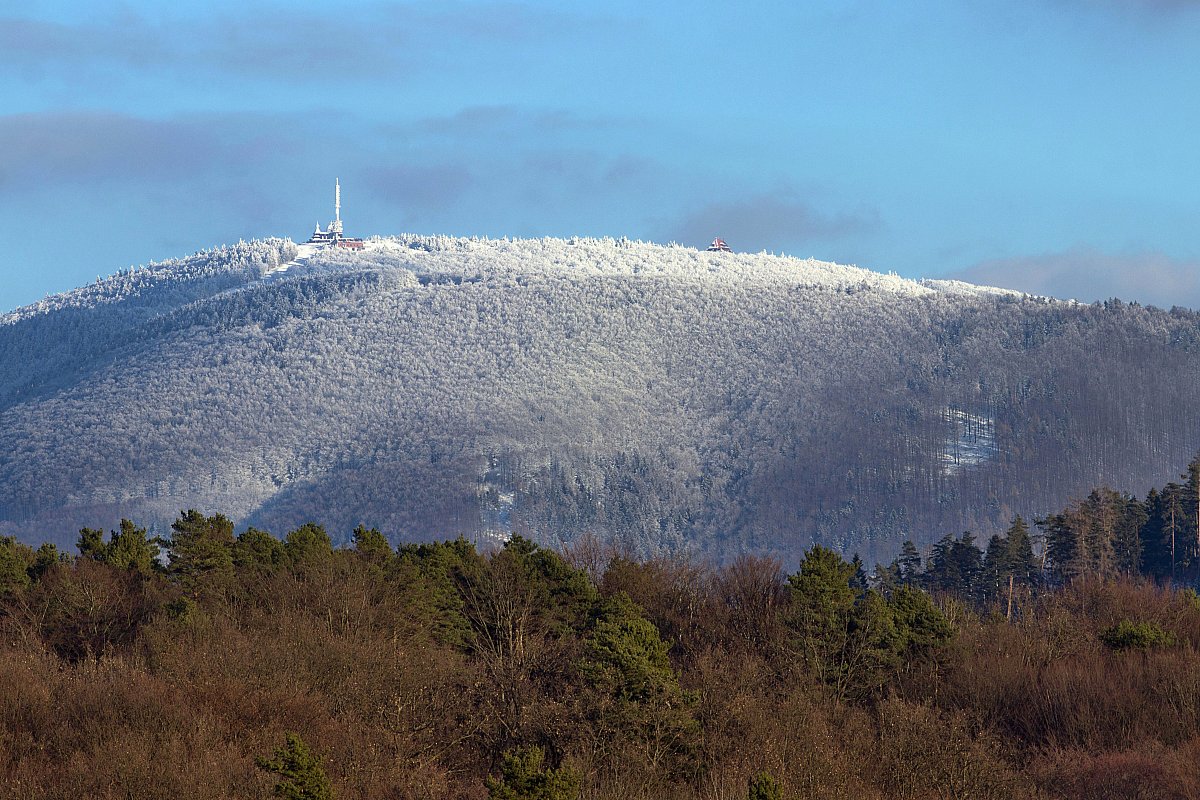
(1049, 146)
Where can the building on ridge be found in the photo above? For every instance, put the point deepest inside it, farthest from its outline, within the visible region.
(333, 234)
(718, 246)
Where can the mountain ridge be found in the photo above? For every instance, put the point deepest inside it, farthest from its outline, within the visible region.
(664, 397)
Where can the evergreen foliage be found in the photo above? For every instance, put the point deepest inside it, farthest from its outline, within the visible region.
(15, 560)
(200, 551)
(131, 549)
(855, 640)
(440, 671)
(764, 787)
(371, 544)
(307, 546)
(627, 656)
(908, 564)
(523, 777)
(258, 549)
(46, 558)
(301, 776)
(1127, 635)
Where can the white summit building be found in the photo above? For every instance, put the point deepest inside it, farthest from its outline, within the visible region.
(333, 234)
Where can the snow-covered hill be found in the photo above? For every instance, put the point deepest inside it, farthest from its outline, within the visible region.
(657, 395)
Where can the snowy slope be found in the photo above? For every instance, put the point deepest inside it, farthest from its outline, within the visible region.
(667, 397)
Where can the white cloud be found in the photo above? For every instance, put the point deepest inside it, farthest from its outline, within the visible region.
(771, 220)
(1087, 274)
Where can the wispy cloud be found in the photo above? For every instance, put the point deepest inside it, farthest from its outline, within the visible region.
(1138, 6)
(1147, 14)
(490, 121)
(275, 43)
(771, 220)
(420, 190)
(71, 148)
(1088, 274)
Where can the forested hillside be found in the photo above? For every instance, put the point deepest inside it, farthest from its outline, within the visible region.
(228, 666)
(657, 396)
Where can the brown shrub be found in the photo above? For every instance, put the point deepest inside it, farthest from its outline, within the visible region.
(923, 753)
(675, 595)
(1148, 771)
(752, 721)
(88, 609)
(1047, 681)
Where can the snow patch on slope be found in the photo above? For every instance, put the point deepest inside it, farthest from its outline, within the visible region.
(303, 253)
(971, 443)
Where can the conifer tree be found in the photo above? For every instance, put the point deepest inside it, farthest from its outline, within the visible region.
(1019, 558)
(967, 567)
(996, 567)
(15, 560)
(909, 563)
(299, 769)
(937, 575)
(887, 577)
(91, 543)
(131, 549)
(858, 580)
(45, 559)
(763, 786)
(821, 602)
(307, 546)
(1191, 515)
(1127, 538)
(255, 548)
(1173, 515)
(524, 777)
(955, 566)
(200, 551)
(371, 545)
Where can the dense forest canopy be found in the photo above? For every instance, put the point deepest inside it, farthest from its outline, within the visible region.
(212, 665)
(662, 398)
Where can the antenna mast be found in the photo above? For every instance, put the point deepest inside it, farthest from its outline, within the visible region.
(335, 227)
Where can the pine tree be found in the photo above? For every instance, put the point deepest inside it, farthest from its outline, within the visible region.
(910, 563)
(1061, 546)
(91, 543)
(956, 566)
(45, 559)
(968, 567)
(821, 596)
(996, 567)
(307, 546)
(1127, 539)
(858, 580)
(763, 786)
(1191, 516)
(1163, 511)
(300, 774)
(259, 549)
(15, 560)
(372, 545)
(131, 549)
(937, 576)
(523, 777)
(887, 577)
(200, 551)
(1174, 517)
(1020, 560)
